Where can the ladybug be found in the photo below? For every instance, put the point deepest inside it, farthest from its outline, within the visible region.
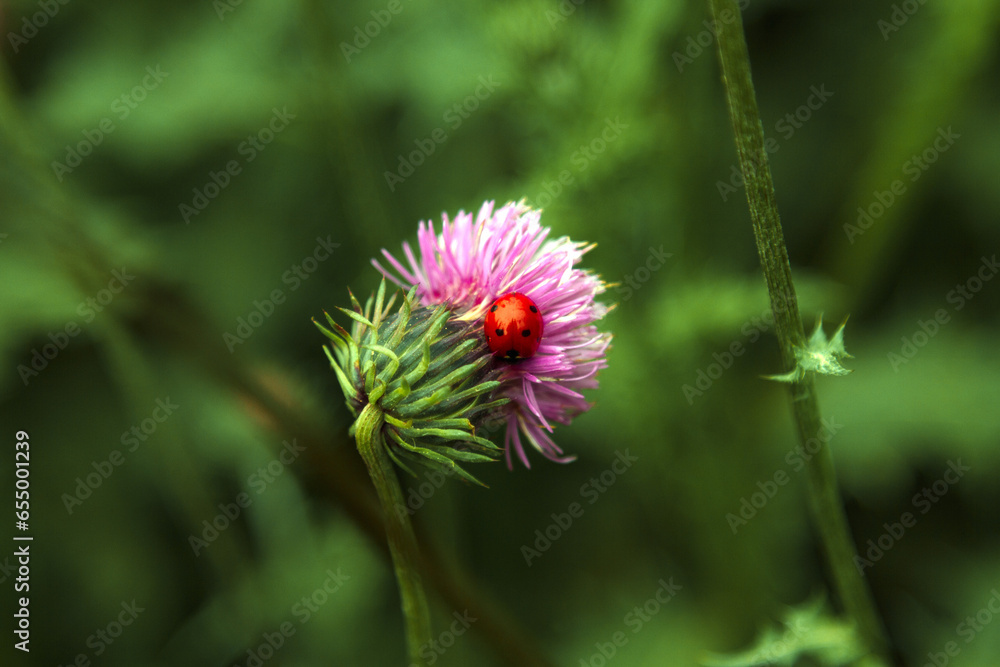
(513, 327)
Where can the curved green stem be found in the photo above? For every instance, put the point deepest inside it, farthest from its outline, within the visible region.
(402, 542)
(824, 494)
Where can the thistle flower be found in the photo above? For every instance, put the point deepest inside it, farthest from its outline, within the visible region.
(421, 380)
(476, 260)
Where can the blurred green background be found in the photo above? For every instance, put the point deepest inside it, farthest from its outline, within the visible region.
(206, 150)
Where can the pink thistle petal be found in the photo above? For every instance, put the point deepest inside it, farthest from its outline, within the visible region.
(406, 275)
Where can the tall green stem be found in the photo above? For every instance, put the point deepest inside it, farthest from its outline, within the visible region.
(402, 542)
(824, 495)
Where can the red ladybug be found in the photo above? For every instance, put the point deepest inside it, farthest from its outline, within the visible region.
(513, 327)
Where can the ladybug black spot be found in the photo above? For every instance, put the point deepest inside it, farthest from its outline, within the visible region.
(532, 309)
(494, 308)
(526, 333)
(512, 354)
(499, 332)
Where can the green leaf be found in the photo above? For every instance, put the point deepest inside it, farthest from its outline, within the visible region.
(349, 391)
(357, 317)
(808, 630)
(818, 356)
(430, 458)
(379, 300)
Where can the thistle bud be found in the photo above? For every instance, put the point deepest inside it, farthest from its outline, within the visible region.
(430, 376)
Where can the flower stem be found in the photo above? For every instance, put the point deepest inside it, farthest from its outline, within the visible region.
(824, 495)
(402, 542)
